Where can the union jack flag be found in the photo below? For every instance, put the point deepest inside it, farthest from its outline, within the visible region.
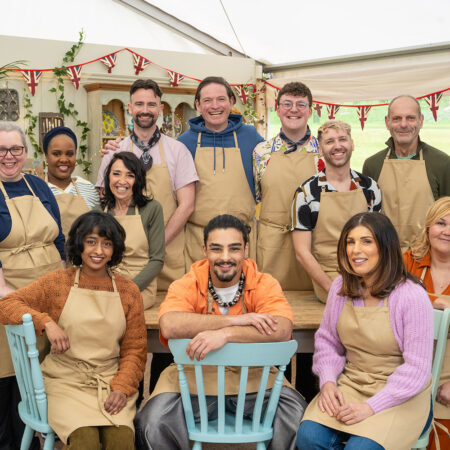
(175, 78)
(433, 102)
(318, 108)
(140, 63)
(109, 61)
(243, 92)
(363, 111)
(332, 111)
(74, 73)
(32, 79)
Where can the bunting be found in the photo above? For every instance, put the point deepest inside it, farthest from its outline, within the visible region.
(109, 61)
(32, 79)
(175, 78)
(74, 73)
(363, 111)
(242, 92)
(332, 111)
(433, 102)
(318, 108)
(139, 63)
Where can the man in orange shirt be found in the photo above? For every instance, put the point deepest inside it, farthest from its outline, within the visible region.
(222, 299)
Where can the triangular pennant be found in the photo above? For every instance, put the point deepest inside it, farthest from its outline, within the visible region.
(363, 111)
(74, 73)
(433, 102)
(32, 79)
(332, 111)
(318, 108)
(175, 78)
(243, 92)
(140, 63)
(109, 61)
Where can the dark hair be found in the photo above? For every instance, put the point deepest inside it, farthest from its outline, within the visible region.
(146, 84)
(215, 80)
(105, 225)
(296, 89)
(226, 221)
(56, 132)
(135, 165)
(390, 270)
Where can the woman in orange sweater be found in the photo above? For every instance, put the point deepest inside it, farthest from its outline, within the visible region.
(429, 259)
(94, 320)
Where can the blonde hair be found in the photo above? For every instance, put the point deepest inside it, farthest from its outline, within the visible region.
(438, 209)
(336, 125)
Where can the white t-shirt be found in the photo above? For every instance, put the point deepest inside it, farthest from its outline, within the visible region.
(226, 295)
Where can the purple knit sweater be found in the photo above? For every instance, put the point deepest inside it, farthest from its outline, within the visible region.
(411, 317)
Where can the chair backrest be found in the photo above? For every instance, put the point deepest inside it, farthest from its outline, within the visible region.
(441, 325)
(25, 357)
(244, 355)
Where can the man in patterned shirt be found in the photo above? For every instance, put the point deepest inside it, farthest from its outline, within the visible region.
(293, 156)
(323, 204)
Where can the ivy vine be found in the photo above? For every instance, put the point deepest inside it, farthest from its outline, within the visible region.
(32, 121)
(68, 109)
(249, 113)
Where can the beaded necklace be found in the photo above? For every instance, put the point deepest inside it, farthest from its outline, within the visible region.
(236, 297)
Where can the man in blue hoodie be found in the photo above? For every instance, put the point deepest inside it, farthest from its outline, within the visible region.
(222, 147)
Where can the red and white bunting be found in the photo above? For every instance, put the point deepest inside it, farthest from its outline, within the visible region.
(243, 92)
(363, 111)
(318, 108)
(332, 111)
(139, 63)
(175, 78)
(433, 102)
(32, 79)
(74, 73)
(109, 61)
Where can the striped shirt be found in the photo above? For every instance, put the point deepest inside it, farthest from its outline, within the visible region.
(86, 188)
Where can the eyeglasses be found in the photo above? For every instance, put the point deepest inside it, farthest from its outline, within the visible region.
(287, 104)
(17, 150)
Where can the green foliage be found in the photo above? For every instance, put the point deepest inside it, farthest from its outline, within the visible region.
(249, 113)
(12, 65)
(32, 121)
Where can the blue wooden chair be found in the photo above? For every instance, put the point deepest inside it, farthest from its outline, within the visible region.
(233, 428)
(441, 328)
(33, 407)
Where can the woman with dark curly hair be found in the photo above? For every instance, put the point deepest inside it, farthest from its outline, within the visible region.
(141, 217)
(373, 350)
(94, 320)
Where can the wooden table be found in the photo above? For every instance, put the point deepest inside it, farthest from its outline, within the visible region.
(307, 311)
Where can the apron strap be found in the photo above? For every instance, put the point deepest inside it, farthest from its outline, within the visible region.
(424, 271)
(29, 187)
(199, 139)
(435, 424)
(113, 280)
(130, 148)
(77, 277)
(433, 294)
(235, 139)
(75, 185)
(161, 153)
(2, 188)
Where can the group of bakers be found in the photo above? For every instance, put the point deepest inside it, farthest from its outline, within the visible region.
(179, 215)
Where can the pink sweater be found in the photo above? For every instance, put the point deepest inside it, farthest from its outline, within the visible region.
(411, 317)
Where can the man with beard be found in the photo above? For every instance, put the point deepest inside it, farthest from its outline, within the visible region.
(411, 173)
(222, 299)
(324, 203)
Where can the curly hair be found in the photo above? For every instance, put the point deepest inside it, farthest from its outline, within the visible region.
(226, 221)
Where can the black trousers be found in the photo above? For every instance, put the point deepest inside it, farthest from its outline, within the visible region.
(11, 427)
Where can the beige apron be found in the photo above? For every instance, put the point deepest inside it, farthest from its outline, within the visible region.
(275, 250)
(77, 381)
(70, 207)
(27, 253)
(372, 355)
(335, 209)
(223, 189)
(441, 411)
(136, 254)
(168, 380)
(406, 196)
(159, 184)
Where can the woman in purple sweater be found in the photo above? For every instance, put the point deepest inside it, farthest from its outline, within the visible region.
(373, 350)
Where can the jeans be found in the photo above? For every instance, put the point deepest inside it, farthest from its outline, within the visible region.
(314, 436)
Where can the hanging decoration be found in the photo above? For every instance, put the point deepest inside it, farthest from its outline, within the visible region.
(109, 61)
(32, 79)
(332, 111)
(362, 112)
(74, 73)
(175, 78)
(243, 93)
(139, 63)
(433, 102)
(318, 108)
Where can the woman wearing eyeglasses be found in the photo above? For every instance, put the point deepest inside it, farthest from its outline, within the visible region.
(31, 244)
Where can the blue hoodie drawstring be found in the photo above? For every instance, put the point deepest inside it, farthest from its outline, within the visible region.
(223, 157)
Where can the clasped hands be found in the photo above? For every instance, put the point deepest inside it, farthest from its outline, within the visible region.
(209, 340)
(332, 402)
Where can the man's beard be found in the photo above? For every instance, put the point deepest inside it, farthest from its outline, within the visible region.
(147, 124)
(225, 277)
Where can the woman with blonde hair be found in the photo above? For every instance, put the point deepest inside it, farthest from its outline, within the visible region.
(429, 259)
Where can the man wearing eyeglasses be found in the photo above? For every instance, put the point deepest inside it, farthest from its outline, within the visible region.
(293, 156)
